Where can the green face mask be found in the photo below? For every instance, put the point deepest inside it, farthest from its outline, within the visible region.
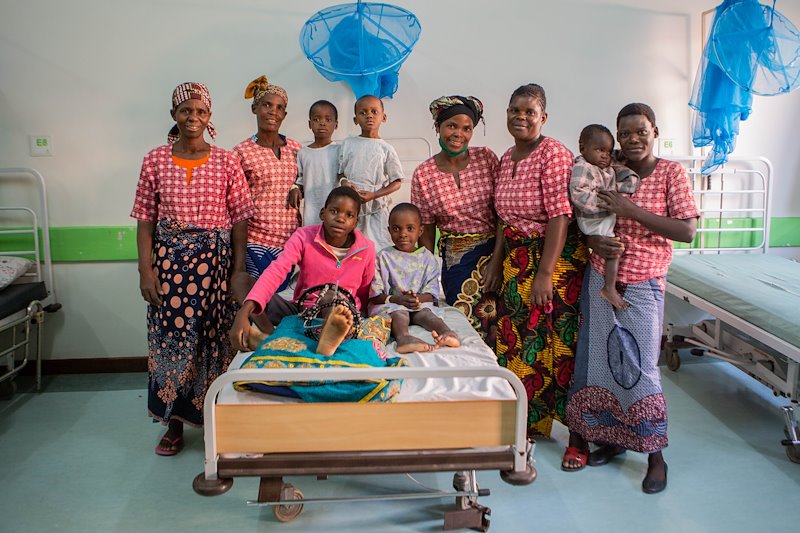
(448, 152)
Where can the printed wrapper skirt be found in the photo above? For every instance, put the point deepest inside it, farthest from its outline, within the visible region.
(616, 397)
(464, 260)
(188, 334)
(534, 342)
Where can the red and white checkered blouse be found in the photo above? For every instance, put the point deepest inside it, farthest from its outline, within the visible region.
(665, 192)
(269, 179)
(538, 190)
(468, 209)
(217, 196)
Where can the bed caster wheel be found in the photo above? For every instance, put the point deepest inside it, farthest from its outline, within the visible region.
(672, 357)
(287, 513)
(792, 450)
(525, 477)
(211, 487)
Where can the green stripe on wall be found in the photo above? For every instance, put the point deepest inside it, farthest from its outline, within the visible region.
(71, 244)
(82, 243)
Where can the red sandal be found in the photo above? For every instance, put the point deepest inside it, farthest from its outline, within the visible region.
(574, 454)
(173, 446)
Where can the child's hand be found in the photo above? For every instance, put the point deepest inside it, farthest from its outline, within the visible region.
(366, 196)
(240, 331)
(344, 182)
(293, 199)
(409, 299)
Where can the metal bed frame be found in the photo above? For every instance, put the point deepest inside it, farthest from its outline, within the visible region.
(726, 336)
(514, 460)
(20, 321)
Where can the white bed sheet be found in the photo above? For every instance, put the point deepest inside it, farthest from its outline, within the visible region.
(473, 352)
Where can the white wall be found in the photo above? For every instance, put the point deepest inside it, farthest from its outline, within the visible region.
(96, 75)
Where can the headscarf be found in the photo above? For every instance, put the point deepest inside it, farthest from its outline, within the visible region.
(188, 91)
(445, 107)
(261, 86)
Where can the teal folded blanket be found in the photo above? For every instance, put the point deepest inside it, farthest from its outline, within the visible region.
(288, 347)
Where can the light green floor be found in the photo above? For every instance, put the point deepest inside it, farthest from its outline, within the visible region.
(79, 457)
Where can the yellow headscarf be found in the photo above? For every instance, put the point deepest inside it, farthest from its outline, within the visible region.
(261, 86)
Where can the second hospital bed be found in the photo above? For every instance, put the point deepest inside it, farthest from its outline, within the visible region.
(457, 410)
(749, 299)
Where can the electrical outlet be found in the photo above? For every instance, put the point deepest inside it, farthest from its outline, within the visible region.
(40, 145)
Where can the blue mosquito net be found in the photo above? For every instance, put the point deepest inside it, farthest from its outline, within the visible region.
(363, 44)
(751, 49)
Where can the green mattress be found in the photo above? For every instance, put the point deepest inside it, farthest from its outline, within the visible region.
(762, 289)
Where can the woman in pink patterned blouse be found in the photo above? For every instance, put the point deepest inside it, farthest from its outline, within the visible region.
(616, 398)
(269, 161)
(544, 261)
(192, 205)
(454, 191)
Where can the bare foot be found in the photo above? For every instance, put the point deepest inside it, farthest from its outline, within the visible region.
(255, 337)
(334, 330)
(614, 298)
(409, 343)
(448, 338)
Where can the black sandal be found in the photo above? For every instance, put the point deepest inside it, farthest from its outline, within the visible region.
(604, 454)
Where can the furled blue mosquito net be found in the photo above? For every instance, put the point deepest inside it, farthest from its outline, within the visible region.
(751, 49)
(363, 44)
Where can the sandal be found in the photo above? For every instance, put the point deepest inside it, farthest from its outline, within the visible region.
(168, 446)
(574, 454)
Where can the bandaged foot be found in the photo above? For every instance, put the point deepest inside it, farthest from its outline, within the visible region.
(614, 298)
(448, 339)
(336, 327)
(409, 343)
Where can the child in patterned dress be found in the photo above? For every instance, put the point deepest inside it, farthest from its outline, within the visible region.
(317, 163)
(406, 284)
(371, 166)
(593, 171)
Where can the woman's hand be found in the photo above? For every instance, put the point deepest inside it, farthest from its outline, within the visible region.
(606, 247)
(293, 199)
(542, 290)
(150, 287)
(493, 275)
(618, 203)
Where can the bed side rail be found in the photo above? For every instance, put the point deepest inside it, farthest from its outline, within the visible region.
(734, 203)
(40, 221)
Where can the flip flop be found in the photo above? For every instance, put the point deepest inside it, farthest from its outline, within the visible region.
(175, 445)
(571, 453)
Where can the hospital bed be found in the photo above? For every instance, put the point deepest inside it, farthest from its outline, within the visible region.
(24, 232)
(457, 411)
(749, 299)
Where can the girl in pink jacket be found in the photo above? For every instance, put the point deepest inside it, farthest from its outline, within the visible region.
(332, 252)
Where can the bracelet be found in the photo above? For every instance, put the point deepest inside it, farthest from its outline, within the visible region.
(388, 297)
(294, 187)
(343, 178)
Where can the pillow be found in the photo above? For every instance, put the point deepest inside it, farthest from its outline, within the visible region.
(11, 268)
